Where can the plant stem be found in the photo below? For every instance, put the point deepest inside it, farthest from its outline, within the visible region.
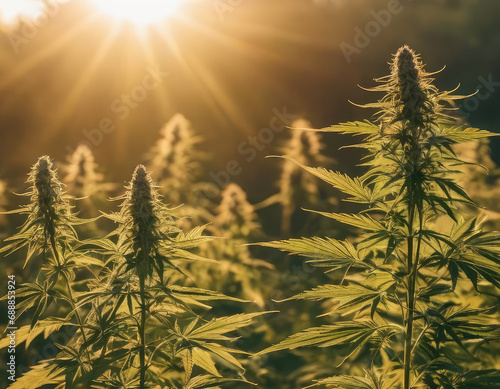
(73, 305)
(142, 334)
(410, 300)
(70, 292)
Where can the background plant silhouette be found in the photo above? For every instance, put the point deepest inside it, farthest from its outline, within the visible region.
(176, 164)
(295, 186)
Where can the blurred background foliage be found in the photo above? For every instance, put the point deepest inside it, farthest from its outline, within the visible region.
(231, 75)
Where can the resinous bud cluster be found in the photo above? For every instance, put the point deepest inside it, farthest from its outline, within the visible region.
(142, 199)
(304, 144)
(412, 91)
(47, 189)
(140, 209)
(81, 176)
(236, 212)
(171, 152)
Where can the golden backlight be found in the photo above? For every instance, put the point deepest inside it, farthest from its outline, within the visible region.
(12, 10)
(139, 12)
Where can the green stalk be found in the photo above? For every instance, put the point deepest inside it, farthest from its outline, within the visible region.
(412, 268)
(70, 292)
(142, 334)
(410, 300)
(141, 207)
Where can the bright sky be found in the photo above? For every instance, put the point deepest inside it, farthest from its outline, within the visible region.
(10, 10)
(139, 12)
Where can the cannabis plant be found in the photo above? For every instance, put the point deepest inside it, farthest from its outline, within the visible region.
(85, 182)
(136, 315)
(397, 308)
(144, 326)
(49, 238)
(238, 273)
(235, 216)
(297, 188)
(176, 165)
(82, 178)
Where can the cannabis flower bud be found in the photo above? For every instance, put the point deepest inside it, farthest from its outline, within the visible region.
(141, 207)
(412, 94)
(48, 203)
(81, 177)
(235, 212)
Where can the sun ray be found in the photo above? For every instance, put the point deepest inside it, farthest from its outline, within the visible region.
(72, 99)
(58, 44)
(173, 46)
(153, 60)
(12, 11)
(218, 99)
(233, 43)
(215, 96)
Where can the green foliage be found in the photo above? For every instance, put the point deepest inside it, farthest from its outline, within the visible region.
(395, 308)
(176, 165)
(239, 273)
(408, 298)
(138, 319)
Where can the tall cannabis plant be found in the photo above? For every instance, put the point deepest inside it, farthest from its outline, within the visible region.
(145, 329)
(48, 233)
(395, 308)
(84, 181)
(176, 165)
(49, 238)
(82, 178)
(297, 188)
(239, 273)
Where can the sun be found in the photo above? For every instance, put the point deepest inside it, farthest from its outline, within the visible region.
(139, 12)
(11, 11)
